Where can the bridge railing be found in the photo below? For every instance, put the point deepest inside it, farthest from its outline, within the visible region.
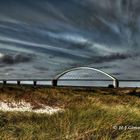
(50, 82)
(24, 81)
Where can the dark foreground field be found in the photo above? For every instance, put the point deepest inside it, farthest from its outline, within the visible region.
(89, 114)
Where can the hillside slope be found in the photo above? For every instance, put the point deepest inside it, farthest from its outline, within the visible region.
(98, 114)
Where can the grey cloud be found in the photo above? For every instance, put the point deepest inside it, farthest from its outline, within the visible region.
(107, 66)
(41, 68)
(15, 59)
(112, 57)
(116, 73)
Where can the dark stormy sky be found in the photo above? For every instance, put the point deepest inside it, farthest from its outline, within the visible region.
(40, 38)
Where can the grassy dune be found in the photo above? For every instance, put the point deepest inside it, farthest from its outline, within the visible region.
(89, 114)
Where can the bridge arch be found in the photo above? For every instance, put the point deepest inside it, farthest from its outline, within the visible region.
(57, 77)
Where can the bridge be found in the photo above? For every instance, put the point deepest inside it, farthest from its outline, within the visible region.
(85, 74)
(78, 74)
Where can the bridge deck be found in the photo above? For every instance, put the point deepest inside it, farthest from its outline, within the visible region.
(48, 82)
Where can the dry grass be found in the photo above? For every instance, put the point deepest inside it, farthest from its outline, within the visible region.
(90, 114)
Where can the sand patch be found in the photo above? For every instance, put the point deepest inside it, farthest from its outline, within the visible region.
(23, 106)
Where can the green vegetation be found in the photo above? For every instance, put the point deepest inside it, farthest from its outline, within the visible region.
(90, 114)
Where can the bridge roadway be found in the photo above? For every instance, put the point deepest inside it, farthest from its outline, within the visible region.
(48, 82)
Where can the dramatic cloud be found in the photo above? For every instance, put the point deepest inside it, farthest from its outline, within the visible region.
(96, 33)
(14, 59)
(113, 57)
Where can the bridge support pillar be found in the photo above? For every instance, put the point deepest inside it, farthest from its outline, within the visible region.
(35, 83)
(54, 82)
(116, 83)
(18, 82)
(4, 82)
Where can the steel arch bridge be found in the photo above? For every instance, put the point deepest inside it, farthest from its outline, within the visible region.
(115, 82)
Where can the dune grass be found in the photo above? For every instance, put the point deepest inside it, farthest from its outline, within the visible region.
(89, 114)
